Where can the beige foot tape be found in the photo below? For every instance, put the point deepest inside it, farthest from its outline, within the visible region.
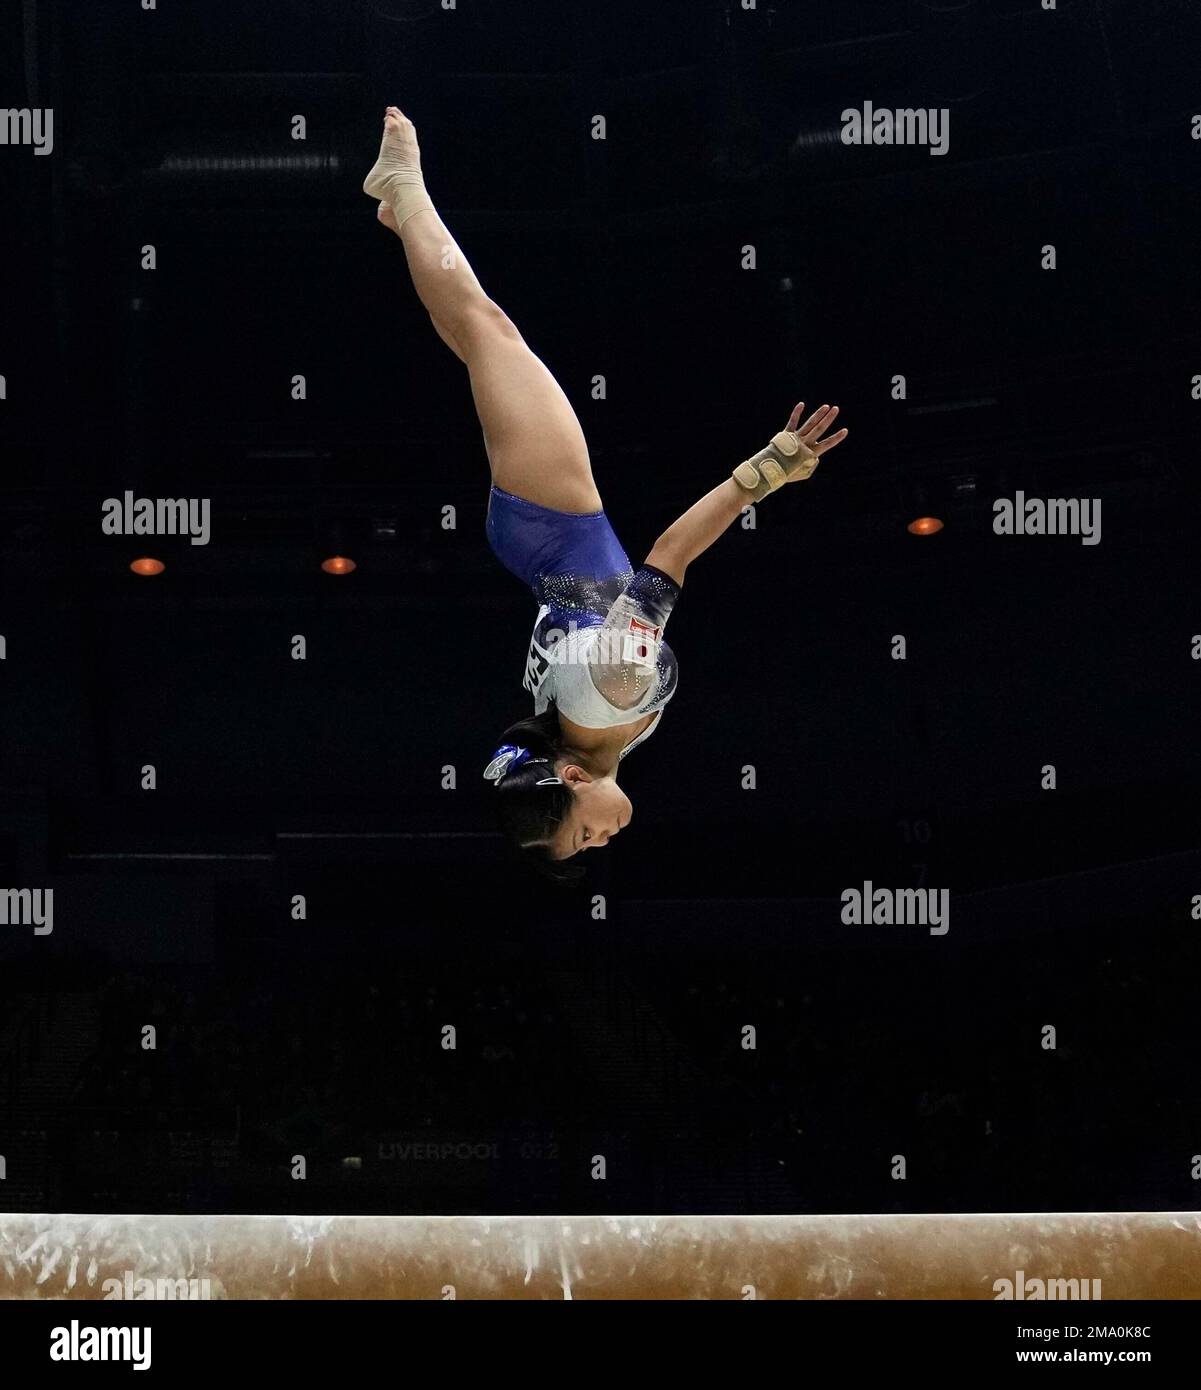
(396, 177)
(786, 459)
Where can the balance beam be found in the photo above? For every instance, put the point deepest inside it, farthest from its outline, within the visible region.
(1110, 1255)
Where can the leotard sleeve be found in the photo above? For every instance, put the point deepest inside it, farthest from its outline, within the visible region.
(626, 658)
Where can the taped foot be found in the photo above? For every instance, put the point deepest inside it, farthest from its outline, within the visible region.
(395, 177)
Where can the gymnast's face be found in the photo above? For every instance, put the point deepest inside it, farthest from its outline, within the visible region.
(599, 810)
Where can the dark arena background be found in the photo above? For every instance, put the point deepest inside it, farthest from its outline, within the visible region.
(294, 970)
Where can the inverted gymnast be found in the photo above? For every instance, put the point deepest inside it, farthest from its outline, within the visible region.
(598, 667)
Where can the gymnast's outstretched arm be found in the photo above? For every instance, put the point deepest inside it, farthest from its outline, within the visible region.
(782, 462)
(624, 658)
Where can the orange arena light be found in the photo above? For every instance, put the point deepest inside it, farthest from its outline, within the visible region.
(924, 526)
(145, 565)
(338, 564)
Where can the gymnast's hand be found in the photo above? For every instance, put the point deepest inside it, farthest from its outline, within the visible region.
(810, 433)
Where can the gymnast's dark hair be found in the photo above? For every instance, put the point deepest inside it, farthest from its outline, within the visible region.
(529, 814)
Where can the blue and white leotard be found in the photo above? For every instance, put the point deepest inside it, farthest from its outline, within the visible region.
(597, 650)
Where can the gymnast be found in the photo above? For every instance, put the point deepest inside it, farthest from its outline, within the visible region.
(598, 667)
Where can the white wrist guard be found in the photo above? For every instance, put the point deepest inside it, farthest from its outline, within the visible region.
(786, 459)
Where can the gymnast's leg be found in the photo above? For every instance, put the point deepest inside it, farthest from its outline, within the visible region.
(535, 445)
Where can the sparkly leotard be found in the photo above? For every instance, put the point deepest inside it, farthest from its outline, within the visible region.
(597, 649)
